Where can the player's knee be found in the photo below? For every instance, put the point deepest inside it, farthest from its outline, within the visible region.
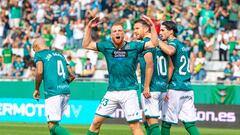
(134, 125)
(96, 124)
(189, 124)
(166, 125)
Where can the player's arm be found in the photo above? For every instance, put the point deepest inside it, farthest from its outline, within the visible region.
(88, 42)
(148, 74)
(71, 75)
(38, 79)
(168, 49)
(154, 36)
(170, 68)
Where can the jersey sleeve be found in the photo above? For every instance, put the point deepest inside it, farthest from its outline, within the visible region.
(147, 51)
(37, 58)
(172, 44)
(140, 46)
(101, 46)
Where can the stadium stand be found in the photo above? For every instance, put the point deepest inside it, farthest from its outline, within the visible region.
(210, 27)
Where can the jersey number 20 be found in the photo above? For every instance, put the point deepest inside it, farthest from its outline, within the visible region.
(60, 69)
(185, 62)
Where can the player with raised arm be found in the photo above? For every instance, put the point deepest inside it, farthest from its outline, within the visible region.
(52, 68)
(121, 57)
(179, 103)
(155, 66)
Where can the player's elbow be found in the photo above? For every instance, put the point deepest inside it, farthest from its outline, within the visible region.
(149, 65)
(170, 52)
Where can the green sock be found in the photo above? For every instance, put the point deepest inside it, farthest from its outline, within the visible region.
(147, 128)
(166, 128)
(191, 128)
(155, 130)
(58, 130)
(91, 133)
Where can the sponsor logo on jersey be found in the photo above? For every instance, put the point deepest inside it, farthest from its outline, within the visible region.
(119, 54)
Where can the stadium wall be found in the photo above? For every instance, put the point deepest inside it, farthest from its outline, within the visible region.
(217, 106)
(204, 94)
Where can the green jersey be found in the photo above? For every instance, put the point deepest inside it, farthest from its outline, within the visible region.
(160, 74)
(7, 55)
(181, 74)
(55, 74)
(122, 64)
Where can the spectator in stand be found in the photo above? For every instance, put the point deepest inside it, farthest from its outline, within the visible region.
(222, 15)
(78, 32)
(60, 41)
(199, 71)
(18, 67)
(223, 49)
(234, 14)
(26, 51)
(69, 32)
(228, 73)
(234, 57)
(7, 59)
(89, 69)
(1, 32)
(1, 66)
(71, 63)
(205, 14)
(15, 14)
(48, 37)
(232, 45)
(210, 27)
(48, 16)
(35, 26)
(236, 71)
(30, 71)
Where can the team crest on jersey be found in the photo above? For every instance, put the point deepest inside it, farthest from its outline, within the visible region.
(48, 57)
(119, 54)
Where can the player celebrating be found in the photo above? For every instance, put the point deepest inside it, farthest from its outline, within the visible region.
(179, 101)
(154, 78)
(121, 59)
(52, 68)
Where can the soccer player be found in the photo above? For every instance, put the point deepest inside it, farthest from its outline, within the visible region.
(52, 68)
(121, 59)
(154, 78)
(179, 101)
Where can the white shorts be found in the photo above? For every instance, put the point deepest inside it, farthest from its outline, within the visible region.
(7, 69)
(128, 101)
(55, 107)
(180, 105)
(152, 106)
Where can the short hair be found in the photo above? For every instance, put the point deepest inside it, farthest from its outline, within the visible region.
(143, 23)
(170, 25)
(117, 24)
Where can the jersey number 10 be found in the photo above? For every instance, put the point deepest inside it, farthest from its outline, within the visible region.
(162, 65)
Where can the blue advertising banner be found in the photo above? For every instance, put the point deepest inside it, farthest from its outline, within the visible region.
(30, 110)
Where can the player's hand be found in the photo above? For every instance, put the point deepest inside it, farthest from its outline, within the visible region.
(146, 93)
(36, 94)
(147, 20)
(94, 22)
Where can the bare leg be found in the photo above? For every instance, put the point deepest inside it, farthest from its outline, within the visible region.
(136, 128)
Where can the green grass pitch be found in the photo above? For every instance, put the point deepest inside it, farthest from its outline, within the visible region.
(107, 129)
